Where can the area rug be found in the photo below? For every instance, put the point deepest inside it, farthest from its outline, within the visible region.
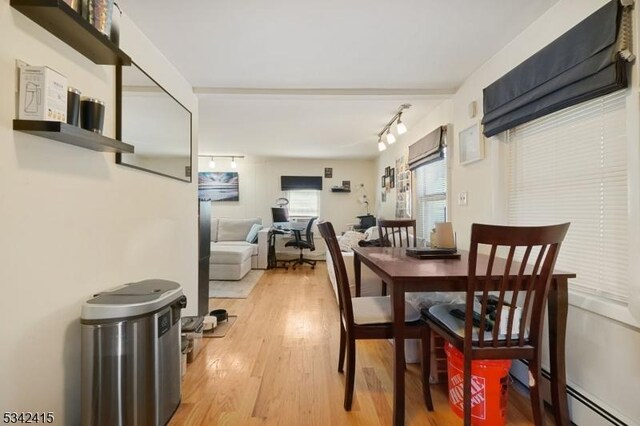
(222, 328)
(235, 289)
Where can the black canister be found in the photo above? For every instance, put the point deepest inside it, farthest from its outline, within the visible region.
(73, 106)
(92, 114)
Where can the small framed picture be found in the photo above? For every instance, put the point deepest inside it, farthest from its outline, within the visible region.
(387, 171)
(383, 178)
(328, 172)
(471, 145)
(392, 181)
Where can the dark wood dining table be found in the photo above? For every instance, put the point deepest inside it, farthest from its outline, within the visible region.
(404, 274)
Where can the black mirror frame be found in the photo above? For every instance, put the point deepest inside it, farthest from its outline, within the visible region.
(119, 126)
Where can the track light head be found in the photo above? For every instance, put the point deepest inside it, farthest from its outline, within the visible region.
(381, 145)
(212, 163)
(400, 127)
(391, 139)
(233, 163)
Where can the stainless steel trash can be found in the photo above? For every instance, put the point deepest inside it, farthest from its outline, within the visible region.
(131, 354)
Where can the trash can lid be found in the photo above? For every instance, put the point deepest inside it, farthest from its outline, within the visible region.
(131, 300)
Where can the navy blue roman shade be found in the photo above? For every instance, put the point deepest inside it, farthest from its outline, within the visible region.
(289, 183)
(582, 64)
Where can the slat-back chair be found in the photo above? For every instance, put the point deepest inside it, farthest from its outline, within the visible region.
(356, 321)
(396, 233)
(540, 247)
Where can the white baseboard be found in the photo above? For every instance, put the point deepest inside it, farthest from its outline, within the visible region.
(584, 408)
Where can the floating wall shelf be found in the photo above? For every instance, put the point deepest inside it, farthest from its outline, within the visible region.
(62, 21)
(340, 190)
(63, 132)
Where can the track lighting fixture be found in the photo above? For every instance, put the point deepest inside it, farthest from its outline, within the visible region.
(401, 128)
(212, 159)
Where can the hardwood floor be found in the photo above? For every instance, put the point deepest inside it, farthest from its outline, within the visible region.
(278, 365)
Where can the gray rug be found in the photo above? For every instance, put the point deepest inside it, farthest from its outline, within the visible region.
(235, 289)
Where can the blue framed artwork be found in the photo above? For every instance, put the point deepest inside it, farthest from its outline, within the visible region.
(218, 186)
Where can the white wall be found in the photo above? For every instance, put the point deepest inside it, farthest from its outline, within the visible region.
(74, 223)
(603, 347)
(260, 186)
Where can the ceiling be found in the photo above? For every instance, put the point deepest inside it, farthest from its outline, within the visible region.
(307, 78)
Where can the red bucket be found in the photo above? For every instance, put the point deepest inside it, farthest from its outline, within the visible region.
(489, 386)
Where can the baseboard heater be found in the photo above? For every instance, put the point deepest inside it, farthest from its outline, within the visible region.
(577, 396)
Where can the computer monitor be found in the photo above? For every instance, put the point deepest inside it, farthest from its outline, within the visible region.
(279, 215)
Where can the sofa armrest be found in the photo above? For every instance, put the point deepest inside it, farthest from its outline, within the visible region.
(263, 248)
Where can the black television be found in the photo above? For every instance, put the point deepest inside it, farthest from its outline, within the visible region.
(279, 215)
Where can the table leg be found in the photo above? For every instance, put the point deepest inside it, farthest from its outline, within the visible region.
(356, 271)
(558, 307)
(397, 303)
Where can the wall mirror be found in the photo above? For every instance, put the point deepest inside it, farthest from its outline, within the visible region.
(155, 123)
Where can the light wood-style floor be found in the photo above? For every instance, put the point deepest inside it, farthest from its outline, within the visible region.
(278, 366)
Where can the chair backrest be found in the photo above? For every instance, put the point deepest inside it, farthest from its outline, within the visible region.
(309, 235)
(539, 246)
(342, 280)
(397, 232)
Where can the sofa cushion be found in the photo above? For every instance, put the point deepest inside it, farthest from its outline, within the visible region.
(252, 236)
(235, 229)
(230, 254)
(349, 240)
(254, 247)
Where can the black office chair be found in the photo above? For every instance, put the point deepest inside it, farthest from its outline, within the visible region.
(303, 244)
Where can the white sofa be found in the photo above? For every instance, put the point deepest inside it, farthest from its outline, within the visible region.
(370, 283)
(233, 232)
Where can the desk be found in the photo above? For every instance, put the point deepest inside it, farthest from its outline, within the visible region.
(272, 261)
(406, 274)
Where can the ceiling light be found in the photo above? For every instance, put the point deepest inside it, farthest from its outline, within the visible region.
(400, 127)
(390, 138)
(212, 159)
(386, 130)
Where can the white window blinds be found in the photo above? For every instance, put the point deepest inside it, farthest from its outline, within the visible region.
(431, 196)
(571, 166)
(303, 202)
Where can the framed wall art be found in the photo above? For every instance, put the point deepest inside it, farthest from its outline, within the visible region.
(218, 186)
(471, 145)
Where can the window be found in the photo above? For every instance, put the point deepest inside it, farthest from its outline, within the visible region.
(431, 195)
(304, 202)
(572, 166)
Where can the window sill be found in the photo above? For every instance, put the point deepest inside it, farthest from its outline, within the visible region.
(614, 311)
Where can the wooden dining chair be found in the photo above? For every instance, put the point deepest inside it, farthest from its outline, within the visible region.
(396, 233)
(369, 318)
(539, 247)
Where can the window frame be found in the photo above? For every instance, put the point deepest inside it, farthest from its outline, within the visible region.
(318, 193)
(447, 197)
(629, 314)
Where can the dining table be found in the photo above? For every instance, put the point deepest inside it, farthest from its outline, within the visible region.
(403, 274)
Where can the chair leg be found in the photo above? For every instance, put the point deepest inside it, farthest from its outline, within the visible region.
(535, 392)
(351, 372)
(467, 390)
(343, 343)
(426, 367)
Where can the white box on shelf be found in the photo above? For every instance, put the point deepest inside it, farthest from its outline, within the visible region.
(43, 94)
